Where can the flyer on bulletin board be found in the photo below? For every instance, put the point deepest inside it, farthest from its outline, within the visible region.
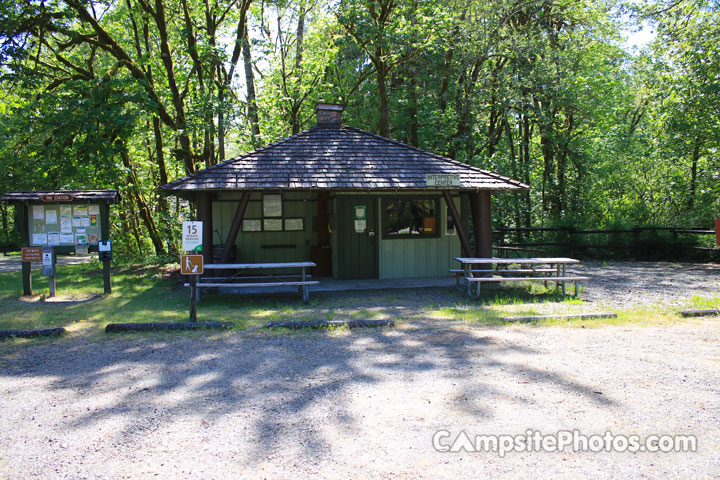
(38, 212)
(50, 216)
(39, 239)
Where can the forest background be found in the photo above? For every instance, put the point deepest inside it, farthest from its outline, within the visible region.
(131, 94)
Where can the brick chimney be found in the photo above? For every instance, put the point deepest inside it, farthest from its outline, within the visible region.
(329, 115)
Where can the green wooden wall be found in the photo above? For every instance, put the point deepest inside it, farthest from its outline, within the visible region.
(398, 258)
(267, 246)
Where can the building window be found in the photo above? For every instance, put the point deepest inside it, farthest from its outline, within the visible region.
(410, 218)
(294, 224)
(252, 225)
(272, 205)
(272, 219)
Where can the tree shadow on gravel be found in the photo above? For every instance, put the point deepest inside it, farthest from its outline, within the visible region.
(275, 389)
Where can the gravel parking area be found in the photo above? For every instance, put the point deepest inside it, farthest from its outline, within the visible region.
(631, 284)
(360, 404)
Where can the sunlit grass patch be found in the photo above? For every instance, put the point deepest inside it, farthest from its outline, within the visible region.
(703, 303)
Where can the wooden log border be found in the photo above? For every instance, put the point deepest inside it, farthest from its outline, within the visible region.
(572, 316)
(332, 323)
(31, 333)
(148, 327)
(700, 313)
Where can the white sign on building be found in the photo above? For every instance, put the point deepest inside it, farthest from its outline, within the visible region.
(442, 180)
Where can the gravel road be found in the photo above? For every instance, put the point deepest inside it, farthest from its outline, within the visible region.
(362, 404)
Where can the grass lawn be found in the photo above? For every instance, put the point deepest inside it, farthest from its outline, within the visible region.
(154, 294)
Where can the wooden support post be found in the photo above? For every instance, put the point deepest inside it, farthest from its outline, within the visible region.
(305, 288)
(204, 213)
(21, 222)
(235, 227)
(27, 278)
(483, 228)
(105, 236)
(193, 298)
(476, 220)
(464, 243)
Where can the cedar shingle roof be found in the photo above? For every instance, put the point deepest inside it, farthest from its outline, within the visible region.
(77, 195)
(341, 158)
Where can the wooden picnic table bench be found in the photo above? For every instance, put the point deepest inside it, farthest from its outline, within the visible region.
(237, 280)
(479, 270)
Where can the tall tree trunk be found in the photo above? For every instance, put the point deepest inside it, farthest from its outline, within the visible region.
(693, 170)
(548, 170)
(143, 207)
(381, 78)
(185, 153)
(162, 169)
(252, 111)
(514, 169)
(131, 225)
(6, 234)
(526, 133)
(412, 109)
(221, 122)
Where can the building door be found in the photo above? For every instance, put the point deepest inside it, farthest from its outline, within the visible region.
(357, 237)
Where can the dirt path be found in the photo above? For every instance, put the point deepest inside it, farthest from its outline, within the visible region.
(360, 404)
(13, 263)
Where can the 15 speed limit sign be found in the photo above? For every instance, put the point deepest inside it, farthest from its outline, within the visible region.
(192, 236)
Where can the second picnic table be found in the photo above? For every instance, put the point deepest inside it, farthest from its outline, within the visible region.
(265, 278)
(550, 269)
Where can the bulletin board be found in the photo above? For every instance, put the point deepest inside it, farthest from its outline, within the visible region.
(55, 225)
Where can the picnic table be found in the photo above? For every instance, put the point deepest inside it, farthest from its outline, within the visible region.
(479, 270)
(264, 276)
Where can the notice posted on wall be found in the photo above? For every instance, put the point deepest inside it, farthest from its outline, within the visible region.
(50, 216)
(67, 238)
(53, 239)
(57, 225)
(39, 239)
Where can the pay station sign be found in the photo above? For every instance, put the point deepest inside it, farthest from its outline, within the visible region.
(32, 254)
(192, 236)
(191, 264)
